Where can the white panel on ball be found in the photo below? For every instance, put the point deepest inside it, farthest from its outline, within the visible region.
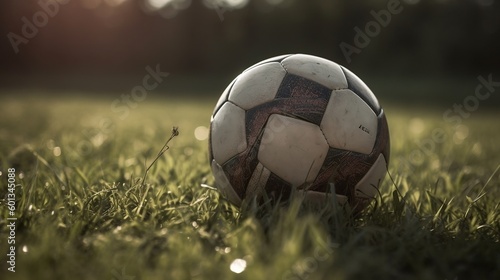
(320, 70)
(257, 85)
(272, 59)
(361, 88)
(258, 180)
(349, 123)
(223, 97)
(228, 132)
(368, 185)
(223, 184)
(292, 149)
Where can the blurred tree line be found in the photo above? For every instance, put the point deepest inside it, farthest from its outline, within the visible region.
(221, 37)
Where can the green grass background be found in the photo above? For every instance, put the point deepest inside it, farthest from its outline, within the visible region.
(83, 213)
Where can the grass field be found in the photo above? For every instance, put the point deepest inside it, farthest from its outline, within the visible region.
(82, 212)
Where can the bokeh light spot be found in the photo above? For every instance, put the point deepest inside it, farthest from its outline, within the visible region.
(461, 133)
(477, 149)
(201, 133)
(158, 4)
(238, 265)
(236, 3)
(57, 151)
(416, 126)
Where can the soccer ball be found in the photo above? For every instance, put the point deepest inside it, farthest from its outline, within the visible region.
(299, 123)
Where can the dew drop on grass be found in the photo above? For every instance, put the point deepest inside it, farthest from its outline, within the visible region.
(21, 175)
(25, 249)
(238, 265)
